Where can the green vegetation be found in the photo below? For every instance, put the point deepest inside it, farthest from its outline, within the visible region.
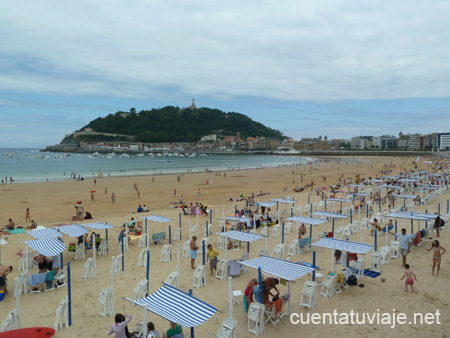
(172, 124)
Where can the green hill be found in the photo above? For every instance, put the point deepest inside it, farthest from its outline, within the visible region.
(172, 124)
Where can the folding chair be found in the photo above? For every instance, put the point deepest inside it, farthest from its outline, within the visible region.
(62, 316)
(275, 313)
(356, 227)
(278, 251)
(193, 231)
(105, 303)
(143, 241)
(38, 281)
(265, 231)
(308, 297)
(245, 256)
(166, 253)
(276, 231)
(186, 248)
(80, 252)
(22, 285)
(142, 260)
(288, 228)
(49, 281)
(60, 279)
(89, 269)
(293, 248)
(364, 223)
(199, 280)
(227, 329)
(222, 269)
(375, 260)
(262, 252)
(221, 242)
(103, 248)
(140, 290)
(256, 318)
(11, 322)
(328, 286)
(347, 230)
(177, 235)
(172, 279)
(385, 253)
(209, 230)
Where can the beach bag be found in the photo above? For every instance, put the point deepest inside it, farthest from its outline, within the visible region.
(352, 280)
(2, 295)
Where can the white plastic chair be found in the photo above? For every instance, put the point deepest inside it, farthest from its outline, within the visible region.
(142, 260)
(375, 260)
(293, 248)
(89, 269)
(103, 248)
(222, 269)
(221, 242)
(177, 235)
(105, 303)
(276, 231)
(256, 318)
(143, 241)
(338, 232)
(364, 223)
(385, 253)
(166, 253)
(11, 322)
(347, 230)
(308, 297)
(172, 279)
(185, 250)
(140, 290)
(199, 280)
(395, 249)
(79, 252)
(356, 227)
(227, 329)
(328, 286)
(62, 315)
(288, 228)
(278, 251)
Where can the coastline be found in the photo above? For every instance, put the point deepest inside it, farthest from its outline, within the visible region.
(53, 203)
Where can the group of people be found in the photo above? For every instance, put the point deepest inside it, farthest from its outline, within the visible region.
(120, 328)
(261, 293)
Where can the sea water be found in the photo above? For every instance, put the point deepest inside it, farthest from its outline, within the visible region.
(31, 165)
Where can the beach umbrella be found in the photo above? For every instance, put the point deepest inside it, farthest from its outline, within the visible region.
(155, 218)
(100, 226)
(177, 306)
(282, 269)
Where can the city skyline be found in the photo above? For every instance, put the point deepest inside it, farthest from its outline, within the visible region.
(335, 68)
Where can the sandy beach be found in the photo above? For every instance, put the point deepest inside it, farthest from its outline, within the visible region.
(53, 203)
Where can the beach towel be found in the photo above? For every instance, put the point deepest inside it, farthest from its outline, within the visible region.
(17, 231)
(37, 278)
(417, 239)
(368, 273)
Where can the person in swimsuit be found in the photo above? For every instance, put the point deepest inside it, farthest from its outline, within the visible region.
(42, 263)
(437, 255)
(409, 278)
(193, 251)
(301, 231)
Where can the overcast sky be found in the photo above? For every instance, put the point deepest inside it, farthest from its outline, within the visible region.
(307, 68)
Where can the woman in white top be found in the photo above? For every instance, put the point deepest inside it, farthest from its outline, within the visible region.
(152, 333)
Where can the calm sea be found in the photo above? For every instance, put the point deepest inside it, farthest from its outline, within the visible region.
(30, 165)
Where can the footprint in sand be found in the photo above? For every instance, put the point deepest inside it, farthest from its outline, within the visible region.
(429, 298)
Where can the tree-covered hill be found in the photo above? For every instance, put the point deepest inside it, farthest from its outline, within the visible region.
(172, 124)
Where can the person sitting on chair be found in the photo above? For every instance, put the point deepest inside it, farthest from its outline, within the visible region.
(173, 331)
(301, 231)
(375, 226)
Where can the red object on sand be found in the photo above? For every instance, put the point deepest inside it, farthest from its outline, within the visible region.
(91, 190)
(31, 332)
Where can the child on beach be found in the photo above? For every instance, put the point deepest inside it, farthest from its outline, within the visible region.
(409, 278)
(437, 255)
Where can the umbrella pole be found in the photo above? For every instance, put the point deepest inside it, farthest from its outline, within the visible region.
(332, 260)
(178, 263)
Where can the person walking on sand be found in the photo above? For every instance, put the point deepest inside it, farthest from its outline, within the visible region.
(198, 193)
(92, 197)
(4, 271)
(438, 223)
(139, 194)
(409, 278)
(437, 255)
(193, 251)
(27, 215)
(113, 198)
(405, 244)
(212, 257)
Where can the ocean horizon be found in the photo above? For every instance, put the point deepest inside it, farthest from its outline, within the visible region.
(33, 165)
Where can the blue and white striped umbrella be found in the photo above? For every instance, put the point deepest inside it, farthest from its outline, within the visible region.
(389, 186)
(307, 220)
(238, 219)
(361, 194)
(47, 247)
(339, 199)
(240, 236)
(156, 218)
(339, 244)
(277, 267)
(412, 215)
(98, 226)
(73, 230)
(356, 185)
(265, 204)
(406, 196)
(177, 306)
(329, 214)
(45, 233)
(283, 200)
